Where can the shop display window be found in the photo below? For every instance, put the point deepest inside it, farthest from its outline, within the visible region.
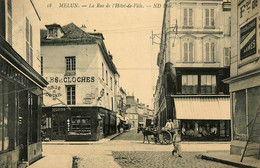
(205, 130)
(80, 125)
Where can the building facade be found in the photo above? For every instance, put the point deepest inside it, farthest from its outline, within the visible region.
(83, 82)
(193, 60)
(244, 81)
(131, 111)
(21, 85)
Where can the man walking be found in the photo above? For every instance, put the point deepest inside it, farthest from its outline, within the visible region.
(177, 143)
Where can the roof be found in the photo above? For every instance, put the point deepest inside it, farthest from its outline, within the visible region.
(74, 35)
(208, 108)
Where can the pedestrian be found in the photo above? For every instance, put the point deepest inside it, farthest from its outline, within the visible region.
(169, 125)
(119, 127)
(177, 143)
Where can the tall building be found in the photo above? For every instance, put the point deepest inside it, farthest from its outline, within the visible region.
(194, 58)
(244, 81)
(83, 82)
(21, 85)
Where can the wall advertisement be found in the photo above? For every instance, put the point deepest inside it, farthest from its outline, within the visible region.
(249, 23)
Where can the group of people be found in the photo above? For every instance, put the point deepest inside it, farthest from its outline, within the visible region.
(199, 131)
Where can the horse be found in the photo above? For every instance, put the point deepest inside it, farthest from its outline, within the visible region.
(147, 132)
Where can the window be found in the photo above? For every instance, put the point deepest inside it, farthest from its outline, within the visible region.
(209, 18)
(53, 32)
(210, 55)
(111, 83)
(29, 43)
(208, 84)
(188, 19)
(80, 125)
(106, 78)
(189, 84)
(71, 94)
(102, 71)
(70, 65)
(227, 53)
(188, 52)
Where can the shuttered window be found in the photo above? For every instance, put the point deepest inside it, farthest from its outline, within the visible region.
(210, 52)
(188, 17)
(209, 18)
(188, 52)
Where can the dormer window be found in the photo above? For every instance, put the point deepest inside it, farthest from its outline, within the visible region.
(54, 31)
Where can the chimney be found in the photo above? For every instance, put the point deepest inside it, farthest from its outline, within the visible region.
(137, 100)
(83, 26)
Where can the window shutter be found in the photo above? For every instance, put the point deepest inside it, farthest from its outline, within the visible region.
(212, 17)
(10, 34)
(227, 56)
(207, 52)
(31, 36)
(190, 52)
(185, 17)
(213, 59)
(9, 4)
(31, 57)
(207, 17)
(185, 52)
(190, 17)
(27, 30)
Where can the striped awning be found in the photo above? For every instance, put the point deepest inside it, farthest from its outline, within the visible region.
(202, 108)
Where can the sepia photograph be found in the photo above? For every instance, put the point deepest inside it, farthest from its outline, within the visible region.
(129, 84)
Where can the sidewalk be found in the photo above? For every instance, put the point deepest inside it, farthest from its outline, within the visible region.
(66, 161)
(234, 160)
(63, 142)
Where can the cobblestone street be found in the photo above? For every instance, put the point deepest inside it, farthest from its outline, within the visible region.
(148, 159)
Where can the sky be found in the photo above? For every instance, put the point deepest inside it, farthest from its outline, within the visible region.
(127, 33)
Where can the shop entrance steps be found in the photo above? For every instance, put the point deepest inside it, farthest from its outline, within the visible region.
(252, 147)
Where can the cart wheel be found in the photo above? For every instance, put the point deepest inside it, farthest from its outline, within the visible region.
(167, 137)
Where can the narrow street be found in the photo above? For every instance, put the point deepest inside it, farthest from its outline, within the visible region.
(127, 150)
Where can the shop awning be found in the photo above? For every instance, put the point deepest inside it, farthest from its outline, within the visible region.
(208, 108)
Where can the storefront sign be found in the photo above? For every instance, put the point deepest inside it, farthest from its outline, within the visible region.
(11, 73)
(248, 39)
(70, 79)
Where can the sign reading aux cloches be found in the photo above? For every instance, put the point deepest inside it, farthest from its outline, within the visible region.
(248, 21)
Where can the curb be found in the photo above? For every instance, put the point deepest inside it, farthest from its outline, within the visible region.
(102, 141)
(226, 162)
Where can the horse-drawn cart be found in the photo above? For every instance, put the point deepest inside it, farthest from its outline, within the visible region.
(161, 136)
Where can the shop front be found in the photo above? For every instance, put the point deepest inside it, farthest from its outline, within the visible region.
(203, 118)
(21, 89)
(78, 123)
